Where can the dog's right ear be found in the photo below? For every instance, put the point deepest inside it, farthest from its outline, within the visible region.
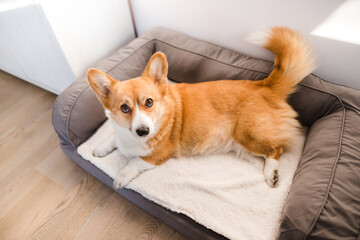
(100, 82)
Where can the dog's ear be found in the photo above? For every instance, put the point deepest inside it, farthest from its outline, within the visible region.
(100, 82)
(157, 69)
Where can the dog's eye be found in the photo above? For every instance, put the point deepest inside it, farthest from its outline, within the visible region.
(149, 102)
(125, 108)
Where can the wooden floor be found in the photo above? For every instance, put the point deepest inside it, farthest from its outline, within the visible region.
(43, 194)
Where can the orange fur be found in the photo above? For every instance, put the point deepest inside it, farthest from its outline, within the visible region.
(197, 118)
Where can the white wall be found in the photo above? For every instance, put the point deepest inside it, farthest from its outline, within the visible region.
(50, 43)
(29, 49)
(89, 30)
(331, 26)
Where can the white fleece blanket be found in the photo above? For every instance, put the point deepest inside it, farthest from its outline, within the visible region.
(221, 192)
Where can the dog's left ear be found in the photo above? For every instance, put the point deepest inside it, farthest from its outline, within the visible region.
(157, 69)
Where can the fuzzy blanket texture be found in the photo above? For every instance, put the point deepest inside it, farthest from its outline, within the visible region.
(222, 192)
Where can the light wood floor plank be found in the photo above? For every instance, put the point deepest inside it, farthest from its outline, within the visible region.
(18, 191)
(21, 117)
(14, 91)
(107, 223)
(70, 175)
(28, 149)
(32, 211)
(43, 194)
(79, 207)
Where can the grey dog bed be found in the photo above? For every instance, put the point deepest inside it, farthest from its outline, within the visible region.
(324, 199)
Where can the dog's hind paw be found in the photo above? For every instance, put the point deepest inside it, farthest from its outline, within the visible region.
(273, 180)
(271, 172)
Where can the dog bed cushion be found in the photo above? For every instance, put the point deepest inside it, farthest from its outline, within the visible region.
(221, 192)
(324, 198)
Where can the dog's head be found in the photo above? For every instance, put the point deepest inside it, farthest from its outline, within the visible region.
(136, 104)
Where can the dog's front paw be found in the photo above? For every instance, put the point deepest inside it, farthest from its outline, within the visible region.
(100, 152)
(117, 184)
(123, 179)
(271, 172)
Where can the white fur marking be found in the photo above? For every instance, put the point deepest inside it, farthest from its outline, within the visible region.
(258, 37)
(141, 119)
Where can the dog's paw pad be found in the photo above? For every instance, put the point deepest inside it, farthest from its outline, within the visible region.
(273, 179)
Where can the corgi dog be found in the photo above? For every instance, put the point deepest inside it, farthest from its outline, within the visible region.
(154, 121)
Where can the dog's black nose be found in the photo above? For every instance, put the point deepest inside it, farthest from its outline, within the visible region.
(142, 131)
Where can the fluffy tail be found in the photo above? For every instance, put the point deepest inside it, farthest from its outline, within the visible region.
(293, 59)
